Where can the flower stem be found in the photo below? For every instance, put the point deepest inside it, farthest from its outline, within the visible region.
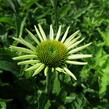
(49, 82)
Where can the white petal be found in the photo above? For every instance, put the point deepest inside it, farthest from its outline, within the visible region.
(70, 73)
(71, 37)
(72, 41)
(79, 48)
(32, 36)
(75, 44)
(52, 69)
(58, 33)
(28, 62)
(76, 62)
(21, 49)
(79, 56)
(46, 71)
(42, 32)
(60, 70)
(65, 35)
(33, 67)
(51, 32)
(38, 33)
(39, 69)
(24, 57)
(27, 44)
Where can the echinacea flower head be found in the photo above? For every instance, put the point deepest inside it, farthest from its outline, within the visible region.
(54, 51)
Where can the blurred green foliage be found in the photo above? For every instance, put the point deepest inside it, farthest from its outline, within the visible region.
(91, 90)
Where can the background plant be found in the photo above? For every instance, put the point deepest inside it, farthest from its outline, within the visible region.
(22, 91)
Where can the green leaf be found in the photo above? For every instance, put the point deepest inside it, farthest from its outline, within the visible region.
(6, 62)
(48, 104)
(65, 9)
(102, 70)
(105, 36)
(78, 102)
(101, 58)
(104, 80)
(11, 3)
(4, 19)
(2, 105)
(28, 3)
(8, 66)
(70, 98)
(42, 100)
(6, 54)
(4, 40)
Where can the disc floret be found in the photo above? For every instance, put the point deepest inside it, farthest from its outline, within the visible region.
(52, 53)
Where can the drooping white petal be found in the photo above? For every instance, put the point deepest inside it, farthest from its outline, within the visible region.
(27, 44)
(24, 57)
(52, 69)
(38, 33)
(21, 49)
(76, 62)
(75, 44)
(79, 48)
(42, 32)
(79, 56)
(71, 36)
(70, 73)
(33, 67)
(60, 70)
(32, 36)
(46, 70)
(58, 33)
(51, 33)
(28, 62)
(65, 34)
(72, 41)
(39, 69)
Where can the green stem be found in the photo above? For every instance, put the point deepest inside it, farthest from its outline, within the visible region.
(49, 82)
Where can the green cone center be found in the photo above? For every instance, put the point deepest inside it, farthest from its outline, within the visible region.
(52, 53)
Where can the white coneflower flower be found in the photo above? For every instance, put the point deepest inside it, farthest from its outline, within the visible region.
(53, 52)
